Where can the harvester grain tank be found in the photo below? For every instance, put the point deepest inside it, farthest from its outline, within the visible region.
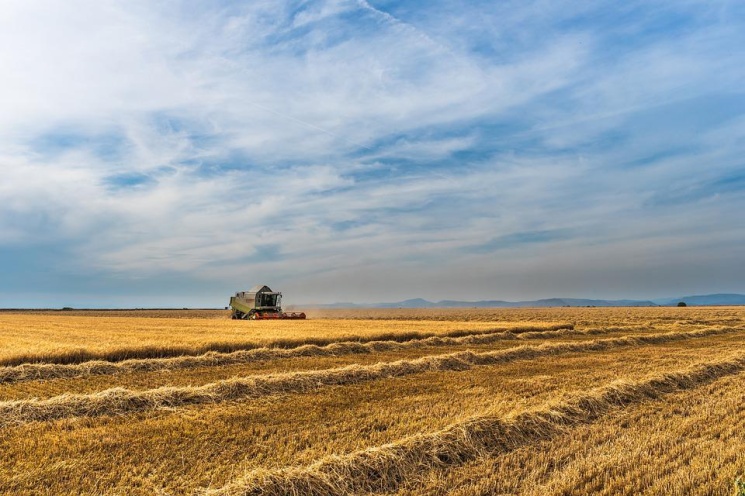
(259, 303)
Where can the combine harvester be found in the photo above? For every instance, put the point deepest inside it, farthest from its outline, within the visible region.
(260, 303)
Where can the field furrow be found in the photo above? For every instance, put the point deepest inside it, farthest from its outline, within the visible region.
(45, 371)
(384, 468)
(120, 401)
(66, 340)
(690, 444)
(177, 451)
(462, 401)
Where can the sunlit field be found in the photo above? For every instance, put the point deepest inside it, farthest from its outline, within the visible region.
(408, 402)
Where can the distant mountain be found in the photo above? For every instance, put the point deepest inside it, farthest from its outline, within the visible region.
(414, 303)
(546, 303)
(700, 300)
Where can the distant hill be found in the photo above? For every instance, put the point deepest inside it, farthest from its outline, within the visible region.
(699, 300)
(550, 302)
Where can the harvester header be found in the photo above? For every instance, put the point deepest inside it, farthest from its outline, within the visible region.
(258, 303)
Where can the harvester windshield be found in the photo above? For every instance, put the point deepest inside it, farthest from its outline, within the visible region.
(269, 299)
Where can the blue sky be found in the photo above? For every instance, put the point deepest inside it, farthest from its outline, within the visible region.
(171, 153)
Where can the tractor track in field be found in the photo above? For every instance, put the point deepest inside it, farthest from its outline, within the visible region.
(46, 371)
(120, 401)
(385, 468)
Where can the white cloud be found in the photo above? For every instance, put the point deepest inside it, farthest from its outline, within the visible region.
(268, 126)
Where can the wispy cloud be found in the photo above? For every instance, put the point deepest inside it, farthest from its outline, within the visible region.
(342, 148)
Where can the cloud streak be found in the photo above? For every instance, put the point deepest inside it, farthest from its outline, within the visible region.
(370, 150)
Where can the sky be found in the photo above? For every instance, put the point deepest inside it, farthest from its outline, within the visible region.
(157, 154)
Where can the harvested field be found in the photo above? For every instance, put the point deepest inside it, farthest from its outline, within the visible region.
(61, 338)
(533, 401)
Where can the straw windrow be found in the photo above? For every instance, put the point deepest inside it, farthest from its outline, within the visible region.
(120, 401)
(75, 356)
(386, 467)
(43, 371)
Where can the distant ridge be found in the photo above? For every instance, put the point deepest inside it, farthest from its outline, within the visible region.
(698, 300)
(712, 299)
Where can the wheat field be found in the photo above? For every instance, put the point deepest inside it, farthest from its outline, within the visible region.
(407, 402)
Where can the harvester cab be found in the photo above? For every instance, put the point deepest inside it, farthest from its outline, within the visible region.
(258, 303)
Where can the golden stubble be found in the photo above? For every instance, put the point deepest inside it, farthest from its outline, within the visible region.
(576, 435)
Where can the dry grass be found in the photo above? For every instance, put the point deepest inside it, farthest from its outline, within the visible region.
(582, 317)
(385, 468)
(61, 338)
(121, 401)
(690, 444)
(631, 401)
(185, 449)
(40, 371)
